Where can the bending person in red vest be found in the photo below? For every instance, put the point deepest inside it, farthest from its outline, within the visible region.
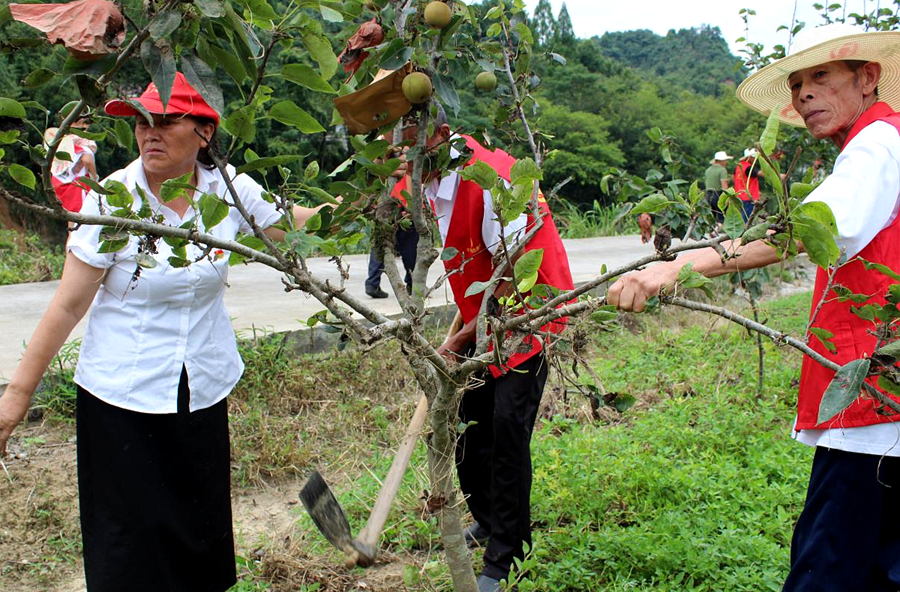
(746, 181)
(848, 535)
(493, 454)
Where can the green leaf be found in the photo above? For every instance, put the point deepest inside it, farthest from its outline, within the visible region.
(772, 177)
(605, 314)
(307, 77)
(164, 23)
(230, 62)
(248, 240)
(259, 9)
(891, 350)
(818, 243)
(311, 171)
(801, 190)
(124, 135)
(651, 204)
(203, 79)
(525, 170)
(844, 389)
(314, 222)
(529, 263)
(755, 232)
(770, 135)
(844, 294)
(734, 219)
(886, 384)
(38, 78)
(145, 260)
(174, 188)
(883, 269)
(210, 8)
(688, 278)
(290, 114)
(117, 195)
(330, 14)
(481, 173)
(212, 210)
(159, 61)
(21, 175)
(320, 49)
(269, 161)
(443, 86)
(819, 212)
(479, 287)
(179, 262)
(526, 282)
(242, 124)
(11, 108)
(395, 55)
(824, 336)
(449, 253)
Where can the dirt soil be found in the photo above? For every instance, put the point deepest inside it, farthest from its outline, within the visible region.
(40, 537)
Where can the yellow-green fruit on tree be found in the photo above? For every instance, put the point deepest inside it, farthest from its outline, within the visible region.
(417, 88)
(438, 14)
(486, 81)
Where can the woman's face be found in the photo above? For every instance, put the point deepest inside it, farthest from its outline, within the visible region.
(169, 148)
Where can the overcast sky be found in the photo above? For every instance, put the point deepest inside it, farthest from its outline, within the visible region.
(595, 17)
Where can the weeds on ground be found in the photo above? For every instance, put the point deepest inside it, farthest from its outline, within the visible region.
(578, 222)
(695, 488)
(27, 258)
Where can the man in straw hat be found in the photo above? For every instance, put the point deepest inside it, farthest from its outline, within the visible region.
(843, 84)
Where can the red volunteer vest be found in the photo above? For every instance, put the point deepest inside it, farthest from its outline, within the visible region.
(741, 172)
(852, 336)
(464, 234)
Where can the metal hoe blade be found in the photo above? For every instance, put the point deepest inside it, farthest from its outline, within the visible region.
(327, 513)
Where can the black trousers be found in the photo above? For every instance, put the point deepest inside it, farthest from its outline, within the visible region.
(847, 538)
(154, 494)
(712, 198)
(405, 244)
(493, 459)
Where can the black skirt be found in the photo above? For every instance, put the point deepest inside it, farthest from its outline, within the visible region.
(155, 497)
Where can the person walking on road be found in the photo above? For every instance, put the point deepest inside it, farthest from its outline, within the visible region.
(716, 181)
(843, 85)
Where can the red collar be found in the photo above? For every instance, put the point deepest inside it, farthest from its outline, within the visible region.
(877, 111)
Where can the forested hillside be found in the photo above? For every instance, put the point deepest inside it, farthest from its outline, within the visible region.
(596, 99)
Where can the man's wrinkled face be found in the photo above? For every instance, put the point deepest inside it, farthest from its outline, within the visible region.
(830, 97)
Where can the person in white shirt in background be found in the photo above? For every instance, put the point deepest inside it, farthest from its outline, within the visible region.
(158, 359)
(843, 84)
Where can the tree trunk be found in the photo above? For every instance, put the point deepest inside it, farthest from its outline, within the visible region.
(442, 464)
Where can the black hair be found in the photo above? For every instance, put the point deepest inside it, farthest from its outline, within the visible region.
(204, 156)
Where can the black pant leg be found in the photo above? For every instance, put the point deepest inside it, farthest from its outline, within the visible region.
(474, 448)
(376, 267)
(407, 241)
(517, 396)
(847, 536)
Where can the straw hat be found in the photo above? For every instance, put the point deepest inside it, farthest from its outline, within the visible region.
(767, 89)
(720, 155)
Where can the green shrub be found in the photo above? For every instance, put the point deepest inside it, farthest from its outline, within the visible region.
(27, 258)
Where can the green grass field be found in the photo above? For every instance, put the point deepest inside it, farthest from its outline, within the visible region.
(696, 487)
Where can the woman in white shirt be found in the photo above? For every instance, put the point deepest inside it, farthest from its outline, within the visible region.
(158, 359)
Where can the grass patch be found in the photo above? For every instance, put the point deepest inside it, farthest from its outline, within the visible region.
(580, 222)
(27, 258)
(696, 487)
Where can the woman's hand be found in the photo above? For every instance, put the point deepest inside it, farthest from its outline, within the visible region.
(13, 408)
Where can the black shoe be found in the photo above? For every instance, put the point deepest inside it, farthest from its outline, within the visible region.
(488, 584)
(376, 292)
(476, 535)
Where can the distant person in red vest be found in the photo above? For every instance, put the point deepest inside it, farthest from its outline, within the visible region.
(746, 181)
(645, 223)
(67, 173)
(843, 84)
(493, 455)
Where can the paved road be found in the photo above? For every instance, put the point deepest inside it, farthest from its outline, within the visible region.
(256, 298)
